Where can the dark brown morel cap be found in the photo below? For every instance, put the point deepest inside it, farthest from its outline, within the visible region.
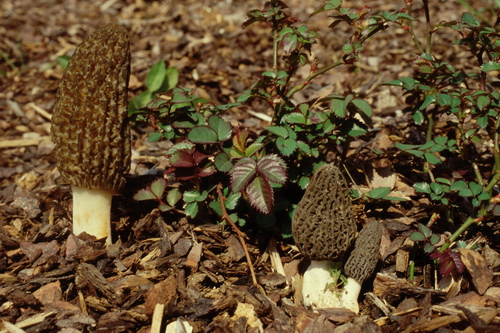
(89, 124)
(323, 225)
(364, 257)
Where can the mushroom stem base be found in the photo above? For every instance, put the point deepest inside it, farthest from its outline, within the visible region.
(350, 294)
(92, 212)
(315, 291)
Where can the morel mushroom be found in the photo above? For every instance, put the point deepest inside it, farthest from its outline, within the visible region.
(323, 228)
(361, 263)
(89, 127)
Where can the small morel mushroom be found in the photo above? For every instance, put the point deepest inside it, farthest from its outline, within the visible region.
(89, 127)
(323, 228)
(361, 263)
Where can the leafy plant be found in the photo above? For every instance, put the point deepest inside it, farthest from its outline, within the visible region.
(208, 151)
(437, 90)
(449, 260)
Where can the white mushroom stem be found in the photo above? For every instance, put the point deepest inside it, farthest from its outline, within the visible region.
(350, 294)
(315, 286)
(92, 212)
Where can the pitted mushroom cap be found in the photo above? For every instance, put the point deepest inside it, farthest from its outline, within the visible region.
(364, 257)
(89, 126)
(323, 225)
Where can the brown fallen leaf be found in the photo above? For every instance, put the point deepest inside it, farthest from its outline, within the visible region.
(482, 275)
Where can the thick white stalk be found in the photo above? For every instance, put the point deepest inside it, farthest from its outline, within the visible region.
(315, 291)
(350, 294)
(92, 212)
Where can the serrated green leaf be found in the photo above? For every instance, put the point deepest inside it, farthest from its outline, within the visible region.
(202, 134)
(424, 230)
(363, 106)
(286, 146)
(144, 194)
(191, 209)
(158, 187)
(223, 162)
(190, 196)
(153, 137)
(428, 101)
(232, 200)
(475, 188)
(458, 185)
(484, 196)
(436, 188)
(432, 159)
(296, 118)
(422, 187)
(278, 130)
(174, 196)
(338, 107)
(417, 236)
(379, 192)
(221, 127)
(164, 208)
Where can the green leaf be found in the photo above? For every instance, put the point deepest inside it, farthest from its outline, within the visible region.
(191, 196)
(483, 101)
(156, 76)
(422, 187)
(153, 137)
(158, 187)
(172, 77)
(417, 236)
(436, 188)
(363, 106)
(490, 66)
(484, 196)
(202, 134)
(357, 128)
(278, 130)
(191, 209)
(144, 194)
(458, 185)
(221, 127)
(418, 117)
(432, 159)
(174, 196)
(242, 173)
(425, 230)
(475, 188)
(296, 118)
(223, 162)
(286, 146)
(232, 200)
(338, 107)
(428, 101)
(379, 192)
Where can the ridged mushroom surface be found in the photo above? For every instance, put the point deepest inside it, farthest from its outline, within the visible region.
(364, 257)
(89, 125)
(323, 225)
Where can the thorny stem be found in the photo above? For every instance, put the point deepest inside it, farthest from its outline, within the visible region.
(240, 235)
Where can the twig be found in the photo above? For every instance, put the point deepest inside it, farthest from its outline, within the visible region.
(240, 235)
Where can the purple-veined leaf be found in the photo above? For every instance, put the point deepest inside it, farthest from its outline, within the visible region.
(260, 194)
(242, 173)
(273, 168)
(182, 159)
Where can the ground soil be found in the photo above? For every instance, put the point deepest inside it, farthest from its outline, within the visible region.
(194, 273)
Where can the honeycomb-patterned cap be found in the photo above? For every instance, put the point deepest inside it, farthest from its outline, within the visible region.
(89, 124)
(323, 225)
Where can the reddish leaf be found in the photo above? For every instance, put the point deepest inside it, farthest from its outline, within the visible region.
(242, 173)
(260, 194)
(182, 159)
(273, 168)
(449, 261)
(198, 157)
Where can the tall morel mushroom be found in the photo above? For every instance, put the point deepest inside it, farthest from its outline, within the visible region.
(323, 228)
(89, 127)
(361, 263)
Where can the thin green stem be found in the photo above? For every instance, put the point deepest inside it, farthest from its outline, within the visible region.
(428, 32)
(312, 76)
(412, 31)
